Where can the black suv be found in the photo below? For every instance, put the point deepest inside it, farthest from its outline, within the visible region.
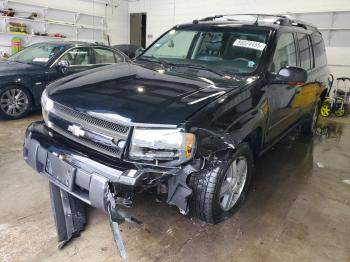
(185, 120)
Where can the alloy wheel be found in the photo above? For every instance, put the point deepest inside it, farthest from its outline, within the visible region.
(233, 183)
(14, 102)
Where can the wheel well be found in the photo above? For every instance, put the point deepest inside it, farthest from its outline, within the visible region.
(254, 139)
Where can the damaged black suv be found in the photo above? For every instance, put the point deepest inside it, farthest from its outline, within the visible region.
(185, 119)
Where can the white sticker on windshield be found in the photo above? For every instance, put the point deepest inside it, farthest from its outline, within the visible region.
(249, 44)
(40, 59)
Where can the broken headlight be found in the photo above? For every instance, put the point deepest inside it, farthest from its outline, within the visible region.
(46, 106)
(168, 146)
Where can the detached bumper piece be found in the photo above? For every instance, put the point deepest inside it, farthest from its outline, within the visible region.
(75, 181)
(69, 214)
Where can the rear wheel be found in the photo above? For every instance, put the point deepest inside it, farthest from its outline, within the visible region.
(308, 128)
(219, 189)
(15, 102)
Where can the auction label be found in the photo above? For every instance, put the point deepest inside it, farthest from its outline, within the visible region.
(249, 44)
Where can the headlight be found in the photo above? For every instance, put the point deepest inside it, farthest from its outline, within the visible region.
(169, 146)
(46, 106)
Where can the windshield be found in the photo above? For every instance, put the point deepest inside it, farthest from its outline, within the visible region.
(233, 50)
(38, 54)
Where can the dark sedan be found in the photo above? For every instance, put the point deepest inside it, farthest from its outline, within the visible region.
(24, 76)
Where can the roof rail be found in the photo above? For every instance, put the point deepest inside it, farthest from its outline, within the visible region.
(303, 24)
(256, 16)
(283, 20)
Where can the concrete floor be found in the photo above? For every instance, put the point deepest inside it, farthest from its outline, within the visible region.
(298, 210)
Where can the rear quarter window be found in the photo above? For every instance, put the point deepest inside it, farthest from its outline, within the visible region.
(319, 50)
(305, 51)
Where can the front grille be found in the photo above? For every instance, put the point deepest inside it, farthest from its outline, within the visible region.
(88, 143)
(78, 116)
(61, 117)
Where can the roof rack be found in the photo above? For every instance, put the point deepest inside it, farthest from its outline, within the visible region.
(283, 20)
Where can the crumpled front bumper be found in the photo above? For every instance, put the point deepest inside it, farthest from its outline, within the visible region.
(78, 174)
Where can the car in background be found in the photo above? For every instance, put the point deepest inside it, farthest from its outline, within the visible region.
(129, 50)
(24, 76)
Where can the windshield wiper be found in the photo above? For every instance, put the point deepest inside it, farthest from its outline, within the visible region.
(203, 67)
(158, 60)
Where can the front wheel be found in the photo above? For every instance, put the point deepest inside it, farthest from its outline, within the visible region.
(220, 188)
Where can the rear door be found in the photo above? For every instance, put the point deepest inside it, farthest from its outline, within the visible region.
(306, 94)
(106, 56)
(282, 114)
(313, 60)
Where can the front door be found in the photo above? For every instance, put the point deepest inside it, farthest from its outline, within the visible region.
(79, 59)
(282, 112)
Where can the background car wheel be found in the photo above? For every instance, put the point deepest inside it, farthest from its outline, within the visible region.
(219, 189)
(15, 102)
(309, 128)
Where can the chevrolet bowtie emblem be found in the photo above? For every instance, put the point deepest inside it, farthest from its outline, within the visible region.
(76, 130)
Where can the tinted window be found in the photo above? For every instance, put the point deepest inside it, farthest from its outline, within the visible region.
(319, 50)
(285, 54)
(106, 56)
(78, 56)
(305, 52)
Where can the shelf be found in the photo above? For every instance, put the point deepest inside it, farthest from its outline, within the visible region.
(55, 22)
(50, 7)
(30, 36)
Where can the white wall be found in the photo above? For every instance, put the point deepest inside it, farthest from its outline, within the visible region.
(116, 17)
(163, 14)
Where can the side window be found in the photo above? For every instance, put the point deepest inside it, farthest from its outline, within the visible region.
(305, 52)
(319, 50)
(285, 54)
(78, 56)
(106, 56)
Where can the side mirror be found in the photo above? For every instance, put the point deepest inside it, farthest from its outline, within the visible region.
(139, 52)
(289, 75)
(63, 65)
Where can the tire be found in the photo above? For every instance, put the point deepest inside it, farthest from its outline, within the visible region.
(308, 128)
(207, 200)
(15, 102)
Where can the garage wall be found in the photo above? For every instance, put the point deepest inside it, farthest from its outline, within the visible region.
(117, 18)
(163, 14)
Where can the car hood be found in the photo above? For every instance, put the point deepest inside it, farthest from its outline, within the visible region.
(134, 93)
(15, 68)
